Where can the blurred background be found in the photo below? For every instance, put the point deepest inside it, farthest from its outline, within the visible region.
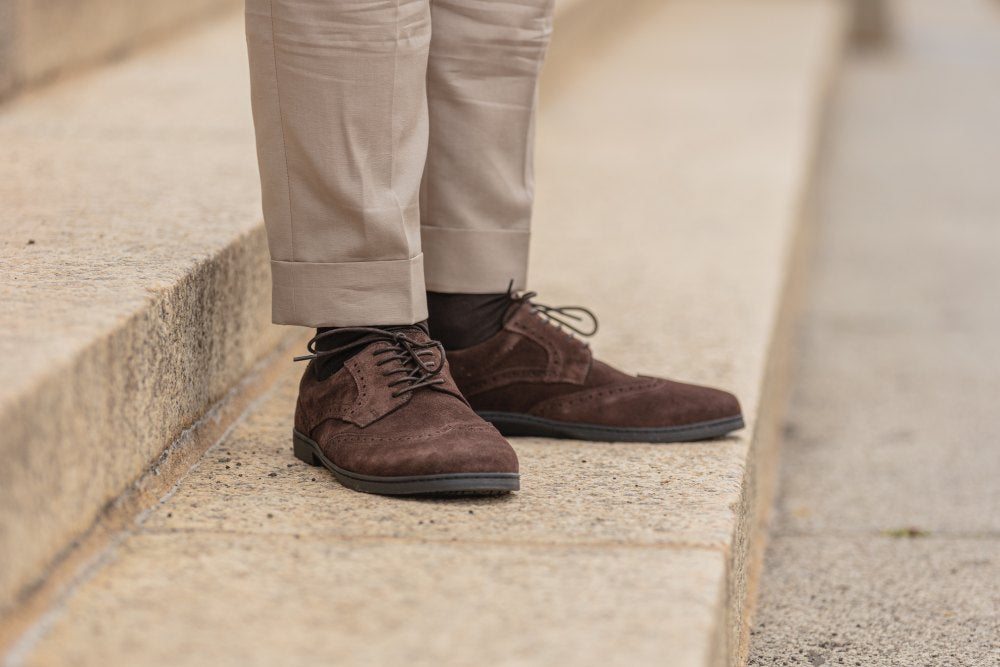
(797, 199)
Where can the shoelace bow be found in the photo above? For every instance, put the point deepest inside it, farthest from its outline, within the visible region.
(413, 368)
(558, 316)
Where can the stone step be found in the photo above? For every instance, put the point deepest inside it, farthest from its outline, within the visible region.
(133, 292)
(134, 289)
(43, 40)
(671, 179)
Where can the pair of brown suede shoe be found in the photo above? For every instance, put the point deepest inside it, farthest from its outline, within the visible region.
(401, 418)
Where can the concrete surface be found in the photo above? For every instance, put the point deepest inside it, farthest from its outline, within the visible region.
(879, 600)
(373, 580)
(670, 180)
(40, 39)
(569, 489)
(893, 426)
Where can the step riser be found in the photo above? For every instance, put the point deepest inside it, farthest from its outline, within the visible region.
(86, 432)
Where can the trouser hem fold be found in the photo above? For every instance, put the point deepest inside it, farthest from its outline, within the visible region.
(473, 261)
(345, 294)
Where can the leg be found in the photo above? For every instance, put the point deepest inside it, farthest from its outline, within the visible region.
(516, 369)
(340, 110)
(477, 190)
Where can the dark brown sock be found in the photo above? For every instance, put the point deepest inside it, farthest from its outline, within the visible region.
(327, 366)
(463, 320)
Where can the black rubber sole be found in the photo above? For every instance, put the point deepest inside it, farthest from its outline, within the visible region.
(515, 424)
(456, 484)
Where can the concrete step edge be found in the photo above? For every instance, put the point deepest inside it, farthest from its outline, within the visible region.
(759, 484)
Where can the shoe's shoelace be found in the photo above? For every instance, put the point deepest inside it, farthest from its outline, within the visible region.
(418, 364)
(568, 317)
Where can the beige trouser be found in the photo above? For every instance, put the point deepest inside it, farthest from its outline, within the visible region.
(393, 161)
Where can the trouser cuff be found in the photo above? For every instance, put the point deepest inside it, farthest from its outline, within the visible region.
(471, 261)
(348, 293)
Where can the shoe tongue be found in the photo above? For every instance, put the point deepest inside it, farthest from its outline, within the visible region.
(416, 331)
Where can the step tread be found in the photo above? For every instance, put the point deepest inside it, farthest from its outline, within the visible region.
(693, 138)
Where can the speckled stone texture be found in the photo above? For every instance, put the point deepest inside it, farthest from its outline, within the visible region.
(322, 601)
(573, 493)
(670, 173)
(40, 39)
(134, 288)
(879, 600)
(886, 542)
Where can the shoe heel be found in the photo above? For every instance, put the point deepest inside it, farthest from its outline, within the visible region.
(303, 450)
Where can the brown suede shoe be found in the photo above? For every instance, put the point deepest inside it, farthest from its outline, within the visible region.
(533, 378)
(392, 421)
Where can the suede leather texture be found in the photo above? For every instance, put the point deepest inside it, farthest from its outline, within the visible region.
(361, 427)
(532, 367)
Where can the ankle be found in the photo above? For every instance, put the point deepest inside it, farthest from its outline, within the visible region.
(463, 320)
(326, 366)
